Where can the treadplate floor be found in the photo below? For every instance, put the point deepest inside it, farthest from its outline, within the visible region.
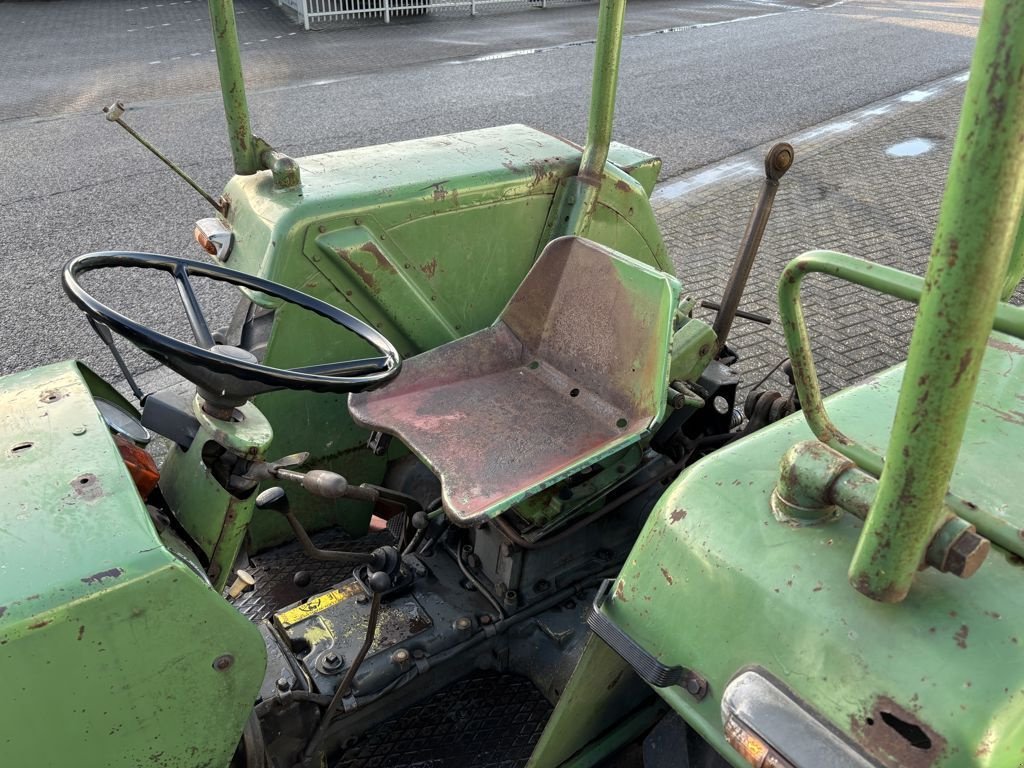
(285, 575)
(487, 720)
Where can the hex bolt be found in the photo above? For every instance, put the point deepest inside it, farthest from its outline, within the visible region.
(223, 662)
(283, 685)
(967, 554)
(331, 662)
(542, 585)
(399, 657)
(485, 619)
(463, 623)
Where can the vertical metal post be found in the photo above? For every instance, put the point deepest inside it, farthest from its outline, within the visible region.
(580, 196)
(305, 14)
(232, 86)
(607, 53)
(980, 213)
(387, 11)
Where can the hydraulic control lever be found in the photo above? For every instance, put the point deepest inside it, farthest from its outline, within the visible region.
(276, 499)
(776, 163)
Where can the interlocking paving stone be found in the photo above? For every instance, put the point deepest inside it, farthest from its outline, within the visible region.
(848, 196)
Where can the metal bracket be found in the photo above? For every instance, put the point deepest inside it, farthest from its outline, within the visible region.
(652, 671)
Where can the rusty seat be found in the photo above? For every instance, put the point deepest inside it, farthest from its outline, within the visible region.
(573, 369)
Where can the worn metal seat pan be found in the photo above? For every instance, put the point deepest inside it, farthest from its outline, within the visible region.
(573, 369)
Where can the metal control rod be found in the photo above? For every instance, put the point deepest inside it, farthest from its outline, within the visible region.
(778, 160)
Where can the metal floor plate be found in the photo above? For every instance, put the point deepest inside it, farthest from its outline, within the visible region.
(487, 720)
(275, 571)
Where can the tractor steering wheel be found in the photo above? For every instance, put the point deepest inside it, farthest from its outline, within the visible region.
(226, 375)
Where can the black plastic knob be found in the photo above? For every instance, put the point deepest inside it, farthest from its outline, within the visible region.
(380, 581)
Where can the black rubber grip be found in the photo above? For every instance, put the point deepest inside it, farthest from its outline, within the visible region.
(644, 664)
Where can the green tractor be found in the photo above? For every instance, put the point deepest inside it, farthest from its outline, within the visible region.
(463, 419)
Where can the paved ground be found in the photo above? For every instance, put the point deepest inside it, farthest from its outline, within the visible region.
(756, 72)
(845, 192)
(140, 50)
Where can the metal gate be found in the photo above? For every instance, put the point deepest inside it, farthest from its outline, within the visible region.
(312, 11)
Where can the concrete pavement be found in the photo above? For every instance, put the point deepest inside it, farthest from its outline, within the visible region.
(71, 183)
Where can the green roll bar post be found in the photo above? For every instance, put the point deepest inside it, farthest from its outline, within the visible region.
(580, 197)
(976, 251)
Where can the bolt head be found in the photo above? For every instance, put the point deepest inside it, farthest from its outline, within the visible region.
(967, 554)
(401, 656)
(283, 684)
(223, 662)
(463, 623)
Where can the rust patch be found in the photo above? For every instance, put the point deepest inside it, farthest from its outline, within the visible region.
(87, 486)
(51, 396)
(440, 193)
(40, 624)
(668, 576)
(98, 578)
(1005, 347)
(965, 362)
(429, 268)
(380, 258)
(677, 515)
(620, 592)
(896, 736)
(961, 636)
(364, 274)
(622, 186)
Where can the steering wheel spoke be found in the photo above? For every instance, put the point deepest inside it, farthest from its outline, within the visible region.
(196, 319)
(346, 368)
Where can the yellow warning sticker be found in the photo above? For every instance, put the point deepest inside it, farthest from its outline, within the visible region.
(316, 604)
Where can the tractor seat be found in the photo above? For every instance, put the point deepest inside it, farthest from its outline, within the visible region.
(574, 369)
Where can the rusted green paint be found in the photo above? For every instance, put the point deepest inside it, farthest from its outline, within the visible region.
(232, 86)
(790, 608)
(817, 484)
(107, 639)
(893, 282)
(607, 52)
(436, 234)
(977, 227)
(583, 344)
(215, 519)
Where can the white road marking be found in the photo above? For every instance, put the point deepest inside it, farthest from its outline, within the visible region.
(747, 163)
(667, 30)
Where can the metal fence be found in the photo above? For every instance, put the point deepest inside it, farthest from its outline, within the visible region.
(315, 11)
